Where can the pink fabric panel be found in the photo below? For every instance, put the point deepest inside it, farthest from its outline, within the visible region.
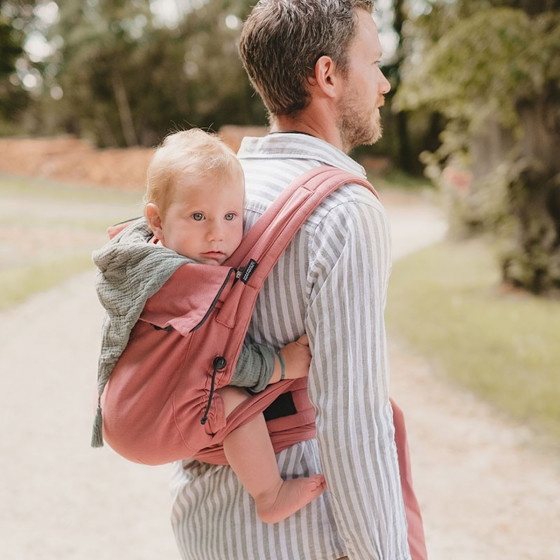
(416, 539)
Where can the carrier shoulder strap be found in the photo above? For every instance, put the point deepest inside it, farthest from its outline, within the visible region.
(273, 231)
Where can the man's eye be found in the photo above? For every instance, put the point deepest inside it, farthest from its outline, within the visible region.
(230, 216)
(198, 216)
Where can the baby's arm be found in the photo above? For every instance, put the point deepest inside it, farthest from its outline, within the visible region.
(296, 357)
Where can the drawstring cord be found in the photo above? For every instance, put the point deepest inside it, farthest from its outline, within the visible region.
(218, 365)
(219, 362)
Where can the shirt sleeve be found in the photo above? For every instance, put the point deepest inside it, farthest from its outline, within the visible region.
(348, 380)
(254, 367)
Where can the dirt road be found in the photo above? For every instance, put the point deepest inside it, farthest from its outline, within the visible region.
(487, 492)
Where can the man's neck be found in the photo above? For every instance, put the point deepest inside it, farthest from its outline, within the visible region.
(306, 124)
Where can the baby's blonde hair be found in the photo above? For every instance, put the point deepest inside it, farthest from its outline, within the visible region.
(189, 152)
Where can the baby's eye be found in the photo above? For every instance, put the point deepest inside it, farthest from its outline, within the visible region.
(229, 216)
(198, 216)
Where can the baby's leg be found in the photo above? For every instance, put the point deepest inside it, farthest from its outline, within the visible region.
(251, 456)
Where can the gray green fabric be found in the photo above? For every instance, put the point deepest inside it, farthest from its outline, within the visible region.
(130, 270)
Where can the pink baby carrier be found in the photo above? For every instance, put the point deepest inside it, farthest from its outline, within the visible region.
(160, 403)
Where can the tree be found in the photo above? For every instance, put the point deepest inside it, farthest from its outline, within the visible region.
(128, 80)
(216, 78)
(13, 98)
(406, 133)
(398, 123)
(494, 73)
(95, 68)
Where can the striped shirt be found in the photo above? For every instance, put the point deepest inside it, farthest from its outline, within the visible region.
(330, 283)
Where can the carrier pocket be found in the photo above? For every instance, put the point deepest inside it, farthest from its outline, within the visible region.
(169, 328)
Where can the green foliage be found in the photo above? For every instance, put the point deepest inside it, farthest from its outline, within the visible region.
(530, 254)
(482, 66)
(10, 46)
(12, 97)
(129, 81)
(495, 76)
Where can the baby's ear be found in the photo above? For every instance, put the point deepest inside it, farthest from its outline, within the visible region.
(153, 216)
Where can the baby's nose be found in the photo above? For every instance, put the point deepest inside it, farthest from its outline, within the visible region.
(215, 232)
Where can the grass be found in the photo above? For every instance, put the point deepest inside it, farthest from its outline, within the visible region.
(19, 283)
(48, 232)
(43, 189)
(446, 303)
(397, 179)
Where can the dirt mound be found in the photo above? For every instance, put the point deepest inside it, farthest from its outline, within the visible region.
(70, 160)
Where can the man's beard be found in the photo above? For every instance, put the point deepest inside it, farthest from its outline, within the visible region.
(355, 126)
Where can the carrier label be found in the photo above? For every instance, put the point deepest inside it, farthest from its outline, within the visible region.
(249, 269)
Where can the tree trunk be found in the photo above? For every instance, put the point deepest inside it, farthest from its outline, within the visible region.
(125, 114)
(403, 134)
(532, 210)
(534, 7)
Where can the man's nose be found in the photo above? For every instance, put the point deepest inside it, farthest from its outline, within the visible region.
(385, 85)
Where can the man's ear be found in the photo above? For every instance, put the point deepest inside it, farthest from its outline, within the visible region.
(155, 221)
(326, 76)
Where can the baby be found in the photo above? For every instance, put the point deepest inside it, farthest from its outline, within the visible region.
(194, 206)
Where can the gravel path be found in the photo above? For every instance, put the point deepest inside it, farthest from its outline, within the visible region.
(487, 492)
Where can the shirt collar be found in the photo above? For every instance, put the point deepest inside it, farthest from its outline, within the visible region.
(293, 145)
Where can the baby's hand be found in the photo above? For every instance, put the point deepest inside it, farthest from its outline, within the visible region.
(296, 357)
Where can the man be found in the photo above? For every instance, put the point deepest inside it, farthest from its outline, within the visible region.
(315, 63)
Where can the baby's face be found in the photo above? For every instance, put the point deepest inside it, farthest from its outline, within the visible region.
(204, 221)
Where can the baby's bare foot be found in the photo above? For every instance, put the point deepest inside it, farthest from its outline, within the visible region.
(288, 497)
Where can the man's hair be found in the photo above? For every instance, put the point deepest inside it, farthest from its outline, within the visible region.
(189, 153)
(282, 40)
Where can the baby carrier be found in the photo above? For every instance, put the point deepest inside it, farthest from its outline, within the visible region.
(160, 403)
